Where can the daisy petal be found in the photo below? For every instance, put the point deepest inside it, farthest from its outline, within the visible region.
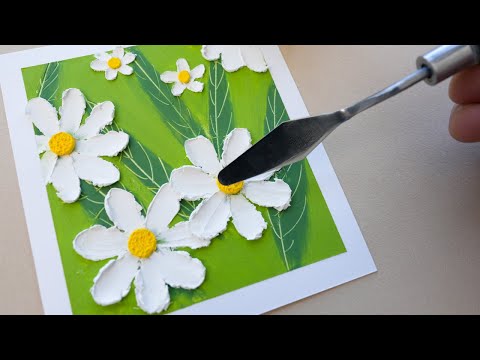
(125, 69)
(181, 236)
(247, 220)
(43, 115)
(192, 183)
(123, 210)
(103, 56)
(150, 289)
(163, 208)
(197, 72)
(101, 115)
(99, 65)
(182, 64)
(169, 77)
(100, 243)
(47, 162)
(210, 218)
(118, 52)
(110, 144)
(113, 281)
(72, 110)
(265, 176)
(232, 58)
(111, 74)
(212, 52)
(195, 86)
(178, 268)
(201, 153)
(98, 171)
(178, 88)
(253, 57)
(42, 143)
(276, 194)
(65, 180)
(128, 58)
(235, 144)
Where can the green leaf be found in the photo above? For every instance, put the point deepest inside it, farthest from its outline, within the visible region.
(289, 226)
(48, 86)
(172, 109)
(221, 119)
(49, 83)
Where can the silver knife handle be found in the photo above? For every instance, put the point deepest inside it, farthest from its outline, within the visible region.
(447, 60)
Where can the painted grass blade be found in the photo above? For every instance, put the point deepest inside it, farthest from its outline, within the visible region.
(289, 226)
(220, 111)
(172, 109)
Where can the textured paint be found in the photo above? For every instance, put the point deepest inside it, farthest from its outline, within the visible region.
(157, 146)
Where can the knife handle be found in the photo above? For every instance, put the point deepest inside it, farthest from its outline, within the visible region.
(447, 60)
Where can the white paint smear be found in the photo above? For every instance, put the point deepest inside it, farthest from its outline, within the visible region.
(113, 281)
(276, 194)
(99, 243)
(192, 183)
(163, 208)
(123, 210)
(210, 218)
(98, 171)
(72, 110)
(247, 220)
(178, 269)
(201, 153)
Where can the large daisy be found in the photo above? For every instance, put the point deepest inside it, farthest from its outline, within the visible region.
(142, 247)
(221, 202)
(72, 151)
(234, 57)
(114, 63)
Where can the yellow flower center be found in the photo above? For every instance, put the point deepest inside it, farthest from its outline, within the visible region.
(230, 189)
(184, 76)
(114, 63)
(142, 243)
(62, 143)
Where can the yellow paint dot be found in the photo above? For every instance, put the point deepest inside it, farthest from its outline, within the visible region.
(230, 189)
(184, 76)
(142, 243)
(114, 63)
(62, 143)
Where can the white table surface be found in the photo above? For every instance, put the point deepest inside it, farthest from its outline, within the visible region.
(414, 191)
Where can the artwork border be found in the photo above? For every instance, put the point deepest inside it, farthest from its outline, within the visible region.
(253, 299)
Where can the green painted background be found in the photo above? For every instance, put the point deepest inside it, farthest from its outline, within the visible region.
(158, 123)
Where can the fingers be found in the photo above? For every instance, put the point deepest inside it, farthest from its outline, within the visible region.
(465, 86)
(465, 122)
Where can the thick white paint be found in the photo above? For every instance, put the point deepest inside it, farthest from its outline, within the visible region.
(94, 169)
(151, 291)
(110, 144)
(247, 219)
(192, 183)
(99, 243)
(72, 110)
(180, 236)
(201, 153)
(113, 281)
(211, 216)
(234, 57)
(101, 115)
(122, 208)
(65, 180)
(235, 144)
(163, 208)
(276, 194)
(43, 115)
(178, 87)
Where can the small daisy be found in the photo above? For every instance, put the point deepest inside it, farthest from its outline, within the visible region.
(221, 202)
(142, 247)
(72, 151)
(184, 78)
(235, 57)
(113, 63)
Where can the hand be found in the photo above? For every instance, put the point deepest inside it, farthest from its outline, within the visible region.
(465, 117)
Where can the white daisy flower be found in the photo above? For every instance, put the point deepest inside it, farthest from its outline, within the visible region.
(221, 202)
(72, 151)
(184, 78)
(114, 63)
(235, 57)
(142, 250)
